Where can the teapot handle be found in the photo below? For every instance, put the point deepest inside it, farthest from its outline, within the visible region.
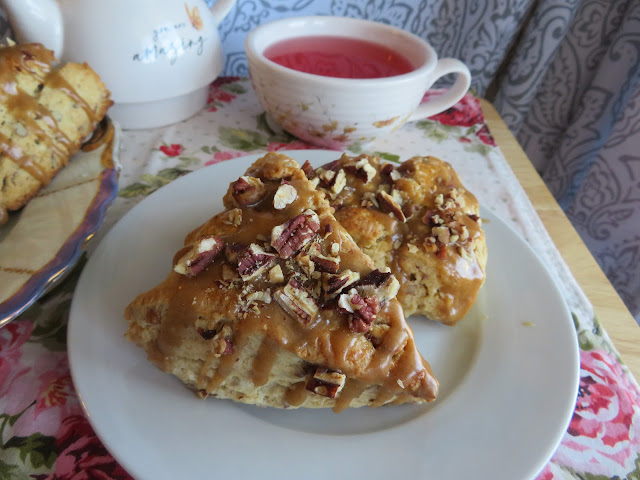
(221, 9)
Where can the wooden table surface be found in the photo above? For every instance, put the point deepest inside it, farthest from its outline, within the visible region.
(609, 308)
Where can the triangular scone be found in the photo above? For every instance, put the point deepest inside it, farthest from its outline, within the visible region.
(272, 303)
(418, 220)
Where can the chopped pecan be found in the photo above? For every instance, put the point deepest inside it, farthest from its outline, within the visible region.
(388, 204)
(325, 177)
(276, 275)
(334, 284)
(382, 285)
(389, 173)
(443, 234)
(473, 217)
(333, 165)
(308, 170)
(428, 218)
(233, 217)
(326, 382)
(464, 233)
(409, 210)
(338, 183)
(219, 338)
(294, 234)
(233, 250)
(369, 200)
(202, 253)
(253, 261)
(303, 260)
(263, 296)
(326, 264)
(362, 310)
(297, 301)
(362, 170)
(248, 191)
(285, 195)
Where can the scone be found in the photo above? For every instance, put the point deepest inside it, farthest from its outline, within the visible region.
(45, 114)
(417, 219)
(271, 303)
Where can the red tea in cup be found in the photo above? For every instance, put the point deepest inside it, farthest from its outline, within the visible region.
(342, 57)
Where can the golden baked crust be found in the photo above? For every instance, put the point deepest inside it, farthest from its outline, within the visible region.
(272, 303)
(417, 219)
(45, 114)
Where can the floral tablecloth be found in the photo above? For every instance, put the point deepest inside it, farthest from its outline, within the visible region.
(43, 431)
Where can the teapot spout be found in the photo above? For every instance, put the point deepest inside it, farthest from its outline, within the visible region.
(36, 21)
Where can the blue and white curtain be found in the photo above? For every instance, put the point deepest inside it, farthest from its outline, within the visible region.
(565, 77)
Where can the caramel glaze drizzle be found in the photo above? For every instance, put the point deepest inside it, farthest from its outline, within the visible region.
(395, 364)
(26, 109)
(458, 276)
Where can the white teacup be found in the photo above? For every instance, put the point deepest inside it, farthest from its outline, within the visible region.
(342, 112)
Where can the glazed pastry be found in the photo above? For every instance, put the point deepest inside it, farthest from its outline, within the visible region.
(45, 115)
(271, 303)
(417, 219)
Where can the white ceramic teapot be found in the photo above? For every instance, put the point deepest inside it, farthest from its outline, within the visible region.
(156, 56)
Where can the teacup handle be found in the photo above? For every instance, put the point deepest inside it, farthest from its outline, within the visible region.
(220, 9)
(452, 95)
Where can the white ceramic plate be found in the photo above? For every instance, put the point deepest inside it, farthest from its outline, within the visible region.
(508, 371)
(40, 243)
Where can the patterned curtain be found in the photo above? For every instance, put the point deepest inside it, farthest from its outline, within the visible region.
(565, 76)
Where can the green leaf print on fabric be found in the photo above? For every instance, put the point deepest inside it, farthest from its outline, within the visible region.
(38, 449)
(389, 157)
(480, 148)
(189, 161)
(51, 330)
(7, 471)
(242, 139)
(135, 190)
(435, 130)
(235, 88)
(210, 150)
(279, 135)
(150, 183)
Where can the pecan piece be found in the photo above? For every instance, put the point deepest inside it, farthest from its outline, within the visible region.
(362, 310)
(294, 234)
(326, 382)
(334, 284)
(389, 173)
(333, 165)
(326, 264)
(219, 338)
(325, 177)
(443, 234)
(362, 170)
(338, 184)
(382, 285)
(248, 191)
(388, 204)
(233, 250)
(285, 195)
(200, 256)
(276, 275)
(308, 170)
(253, 261)
(297, 301)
